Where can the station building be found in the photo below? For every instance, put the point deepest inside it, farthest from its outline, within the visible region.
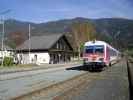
(52, 48)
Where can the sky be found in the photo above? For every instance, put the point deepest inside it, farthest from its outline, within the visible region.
(50, 10)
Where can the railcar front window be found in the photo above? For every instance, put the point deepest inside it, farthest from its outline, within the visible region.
(99, 49)
(89, 49)
(94, 49)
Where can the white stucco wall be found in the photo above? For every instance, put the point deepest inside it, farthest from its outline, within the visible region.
(40, 58)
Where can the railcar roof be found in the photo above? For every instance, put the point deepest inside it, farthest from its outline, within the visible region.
(95, 43)
(99, 43)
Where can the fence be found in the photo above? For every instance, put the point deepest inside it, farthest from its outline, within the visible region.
(130, 76)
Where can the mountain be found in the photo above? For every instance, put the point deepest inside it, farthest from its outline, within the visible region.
(118, 29)
(113, 30)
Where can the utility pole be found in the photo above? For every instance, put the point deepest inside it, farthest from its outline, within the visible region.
(29, 41)
(117, 39)
(3, 33)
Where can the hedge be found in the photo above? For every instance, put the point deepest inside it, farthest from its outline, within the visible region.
(8, 61)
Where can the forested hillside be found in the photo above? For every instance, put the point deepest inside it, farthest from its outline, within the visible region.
(116, 31)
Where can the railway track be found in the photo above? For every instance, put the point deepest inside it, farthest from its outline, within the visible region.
(57, 84)
(54, 90)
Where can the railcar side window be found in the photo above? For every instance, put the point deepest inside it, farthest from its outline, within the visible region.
(112, 52)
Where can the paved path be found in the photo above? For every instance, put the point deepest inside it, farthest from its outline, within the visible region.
(5, 70)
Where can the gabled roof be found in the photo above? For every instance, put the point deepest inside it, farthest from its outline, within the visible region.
(40, 42)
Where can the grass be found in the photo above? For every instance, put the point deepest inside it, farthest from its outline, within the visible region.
(31, 65)
(26, 65)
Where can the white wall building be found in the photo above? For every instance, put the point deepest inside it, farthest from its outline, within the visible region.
(35, 57)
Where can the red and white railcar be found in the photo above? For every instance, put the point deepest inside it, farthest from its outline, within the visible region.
(99, 53)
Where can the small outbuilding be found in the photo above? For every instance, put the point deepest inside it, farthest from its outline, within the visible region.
(52, 48)
(6, 52)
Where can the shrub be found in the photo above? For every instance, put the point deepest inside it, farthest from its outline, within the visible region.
(8, 61)
(129, 52)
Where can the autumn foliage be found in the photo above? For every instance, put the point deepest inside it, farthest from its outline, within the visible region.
(16, 38)
(82, 32)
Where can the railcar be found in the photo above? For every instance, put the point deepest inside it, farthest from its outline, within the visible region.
(98, 54)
